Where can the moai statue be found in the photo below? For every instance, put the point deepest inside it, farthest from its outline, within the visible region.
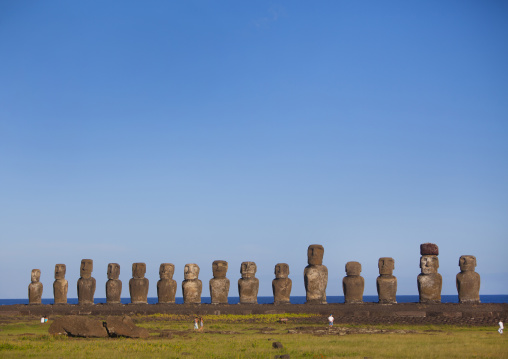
(60, 285)
(315, 275)
(353, 284)
(219, 284)
(86, 283)
(166, 286)
(113, 285)
(35, 288)
(281, 285)
(430, 281)
(248, 285)
(468, 281)
(138, 284)
(386, 283)
(191, 286)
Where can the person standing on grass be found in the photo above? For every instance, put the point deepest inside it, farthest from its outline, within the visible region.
(501, 327)
(330, 320)
(201, 323)
(196, 323)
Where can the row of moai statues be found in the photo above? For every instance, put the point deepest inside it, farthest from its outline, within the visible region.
(315, 279)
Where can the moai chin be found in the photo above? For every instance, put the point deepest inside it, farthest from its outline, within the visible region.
(248, 285)
(386, 283)
(138, 284)
(219, 284)
(166, 286)
(315, 275)
(35, 287)
(468, 281)
(113, 285)
(430, 281)
(60, 285)
(353, 284)
(191, 286)
(86, 283)
(281, 285)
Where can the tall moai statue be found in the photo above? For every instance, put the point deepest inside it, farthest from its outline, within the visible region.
(430, 281)
(353, 283)
(86, 283)
(113, 285)
(219, 284)
(138, 284)
(315, 275)
(35, 287)
(248, 285)
(60, 285)
(281, 285)
(468, 281)
(166, 286)
(386, 283)
(191, 286)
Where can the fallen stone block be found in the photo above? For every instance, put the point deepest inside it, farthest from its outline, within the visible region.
(124, 327)
(78, 326)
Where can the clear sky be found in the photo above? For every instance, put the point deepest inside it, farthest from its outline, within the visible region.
(190, 131)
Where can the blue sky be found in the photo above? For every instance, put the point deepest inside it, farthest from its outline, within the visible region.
(191, 131)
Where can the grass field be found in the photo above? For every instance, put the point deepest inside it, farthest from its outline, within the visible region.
(251, 336)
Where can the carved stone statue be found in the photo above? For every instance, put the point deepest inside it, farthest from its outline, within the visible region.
(281, 285)
(468, 281)
(166, 286)
(138, 284)
(86, 284)
(191, 286)
(219, 284)
(35, 287)
(386, 283)
(248, 285)
(60, 285)
(430, 281)
(113, 285)
(353, 284)
(315, 275)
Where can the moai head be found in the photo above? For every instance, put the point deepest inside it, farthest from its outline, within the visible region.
(138, 270)
(85, 271)
(281, 270)
(248, 269)
(166, 270)
(315, 254)
(386, 265)
(60, 270)
(353, 268)
(219, 269)
(113, 271)
(36, 275)
(467, 263)
(191, 271)
(429, 264)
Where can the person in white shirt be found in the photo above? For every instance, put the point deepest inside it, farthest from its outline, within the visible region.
(330, 320)
(501, 327)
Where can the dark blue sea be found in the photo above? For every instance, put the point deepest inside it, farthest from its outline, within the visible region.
(503, 298)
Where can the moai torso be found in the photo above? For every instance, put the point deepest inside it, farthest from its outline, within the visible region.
(219, 284)
(86, 283)
(166, 286)
(113, 285)
(35, 287)
(191, 286)
(468, 281)
(430, 281)
(138, 284)
(353, 284)
(281, 285)
(248, 285)
(315, 275)
(386, 283)
(60, 285)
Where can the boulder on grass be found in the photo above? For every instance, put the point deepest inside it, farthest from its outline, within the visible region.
(124, 327)
(78, 326)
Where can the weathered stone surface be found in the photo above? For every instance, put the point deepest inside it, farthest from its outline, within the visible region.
(138, 284)
(124, 327)
(386, 283)
(35, 287)
(248, 285)
(353, 284)
(86, 283)
(468, 281)
(191, 286)
(429, 280)
(78, 326)
(281, 285)
(315, 275)
(166, 286)
(277, 345)
(113, 285)
(429, 249)
(219, 284)
(60, 285)
(282, 356)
